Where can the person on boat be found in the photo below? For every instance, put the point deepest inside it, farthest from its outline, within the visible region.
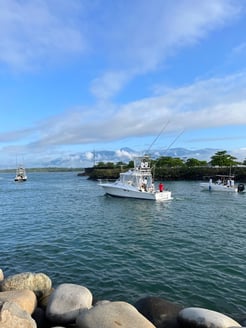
(218, 181)
(229, 182)
(145, 184)
(161, 187)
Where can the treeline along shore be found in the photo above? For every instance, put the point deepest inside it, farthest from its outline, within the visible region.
(175, 168)
(168, 173)
(163, 168)
(159, 173)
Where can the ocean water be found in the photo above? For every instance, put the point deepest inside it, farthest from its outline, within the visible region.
(190, 250)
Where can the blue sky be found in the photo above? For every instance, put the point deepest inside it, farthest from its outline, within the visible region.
(84, 75)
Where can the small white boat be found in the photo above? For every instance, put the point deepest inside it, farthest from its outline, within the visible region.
(223, 183)
(137, 183)
(20, 174)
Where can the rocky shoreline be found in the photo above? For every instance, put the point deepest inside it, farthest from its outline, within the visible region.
(29, 300)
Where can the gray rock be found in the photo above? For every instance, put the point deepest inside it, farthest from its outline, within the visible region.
(113, 315)
(39, 283)
(162, 313)
(199, 317)
(12, 316)
(66, 303)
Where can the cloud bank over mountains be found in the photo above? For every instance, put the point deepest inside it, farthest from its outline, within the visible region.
(88, 159)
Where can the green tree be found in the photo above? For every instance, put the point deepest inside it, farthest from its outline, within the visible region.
(192, 162)
(168, 161)
(100, 164)
(130, 164)
(221, 158)
(110, 165)
(120, 164)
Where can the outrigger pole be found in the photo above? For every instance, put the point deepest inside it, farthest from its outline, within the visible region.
(163, 128)
(175, 140)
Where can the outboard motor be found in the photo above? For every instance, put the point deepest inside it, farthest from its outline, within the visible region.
(240, 187)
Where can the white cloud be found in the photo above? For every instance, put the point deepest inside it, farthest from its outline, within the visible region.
(33, 32)
(204, 104)
(151, 33)
(109, 84)
(123, 154)
(89, 156)
(132, 37)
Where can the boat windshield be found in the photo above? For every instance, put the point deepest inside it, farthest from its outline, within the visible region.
(129, 178)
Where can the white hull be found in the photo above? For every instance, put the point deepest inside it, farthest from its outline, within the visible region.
(117, 190)
(20, 179)
(216, 187)
(137, 183)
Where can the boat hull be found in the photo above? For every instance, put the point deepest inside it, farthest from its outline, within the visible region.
(123, 192)
(20, 179)
(215, 187)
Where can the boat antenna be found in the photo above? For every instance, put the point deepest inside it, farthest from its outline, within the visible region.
(156, 138)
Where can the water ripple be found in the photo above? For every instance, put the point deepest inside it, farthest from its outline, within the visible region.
(190, 250)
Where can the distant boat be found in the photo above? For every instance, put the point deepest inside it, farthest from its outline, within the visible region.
(137, 183)
(20, 174)
(222, 183)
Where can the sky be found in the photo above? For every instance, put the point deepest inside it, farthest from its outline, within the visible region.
(86, 75)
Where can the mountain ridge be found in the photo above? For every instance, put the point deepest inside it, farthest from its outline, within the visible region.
(125, 154)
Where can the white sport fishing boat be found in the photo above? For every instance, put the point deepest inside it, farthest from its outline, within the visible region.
(20, 174)
(222, 183)
(137, 183)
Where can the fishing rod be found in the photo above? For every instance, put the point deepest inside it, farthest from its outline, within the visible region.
(156, 138)
(175, 139)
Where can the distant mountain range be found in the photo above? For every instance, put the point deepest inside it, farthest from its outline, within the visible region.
(88, 159)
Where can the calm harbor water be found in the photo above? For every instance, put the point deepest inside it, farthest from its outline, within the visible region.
(191, 250)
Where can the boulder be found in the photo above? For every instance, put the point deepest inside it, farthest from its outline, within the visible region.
(12, 316)
(66, 302)
(162, 313)
(113, 315)
(203, 318)
(43, 300)
(26, 299)
(39, 283)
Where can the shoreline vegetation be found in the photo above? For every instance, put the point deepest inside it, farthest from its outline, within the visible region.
(46, 169)
(178, 173)
(168, 174)
(174, 168)
(163, 168)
